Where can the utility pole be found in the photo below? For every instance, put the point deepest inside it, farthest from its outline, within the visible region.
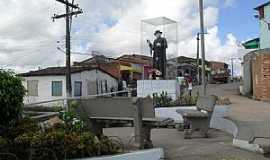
(68, 16)
(232, 65)
(202, 46)
(232, 68)
(198, 58)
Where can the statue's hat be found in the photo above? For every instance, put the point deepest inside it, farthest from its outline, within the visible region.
(157, 31)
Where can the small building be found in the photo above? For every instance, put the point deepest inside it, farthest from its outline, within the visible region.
(256, 63)
(256, 81)
(137, 63)
(126, 67)
(220, 72)
(180, 66)
(50, 83)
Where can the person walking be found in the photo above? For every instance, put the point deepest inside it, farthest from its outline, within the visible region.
(190, 88)
(189, 84)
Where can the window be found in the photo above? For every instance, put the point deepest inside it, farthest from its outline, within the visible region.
(56, 88)
(91, 87)
(32, 87)
(78, 88)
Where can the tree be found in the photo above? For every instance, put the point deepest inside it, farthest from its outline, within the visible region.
(11, 98)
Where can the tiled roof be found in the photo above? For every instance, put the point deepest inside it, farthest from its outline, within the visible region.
(136, 58)
(62, 71)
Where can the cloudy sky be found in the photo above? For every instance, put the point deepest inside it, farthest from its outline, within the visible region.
(28, 37)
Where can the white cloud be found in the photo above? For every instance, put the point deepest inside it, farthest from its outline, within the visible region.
(229, 3)
(28, 36)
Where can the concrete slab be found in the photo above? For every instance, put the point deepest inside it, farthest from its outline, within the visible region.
(250, 117)
(217, 147)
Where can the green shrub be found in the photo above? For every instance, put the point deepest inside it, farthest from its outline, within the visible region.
(61, 144)
(25, 139)
(3, 144)
(11, 98)
(74, 122)
(24, 126)
(162, 100)
(185, 100)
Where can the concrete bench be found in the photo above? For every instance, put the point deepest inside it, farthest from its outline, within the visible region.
(120, 111)
(198, 120)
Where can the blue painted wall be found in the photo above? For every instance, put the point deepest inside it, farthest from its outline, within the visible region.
(264, 30)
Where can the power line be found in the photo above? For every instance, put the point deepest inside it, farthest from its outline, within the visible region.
(79, 53)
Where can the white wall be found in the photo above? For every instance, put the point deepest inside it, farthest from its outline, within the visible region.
(148, 87)
(93, 75)
(44, 88)
(150, 154)
(45, 82)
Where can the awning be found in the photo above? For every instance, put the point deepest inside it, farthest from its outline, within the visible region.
(128, 68)
(252, 44)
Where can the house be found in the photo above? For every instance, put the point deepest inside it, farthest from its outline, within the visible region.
(180, 66)
(256, 63)
(50, 83)
(138, 64)
(126, 67)
(96, 59)
(264, 29)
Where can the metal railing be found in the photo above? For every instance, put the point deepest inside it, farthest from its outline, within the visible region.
(64, 100)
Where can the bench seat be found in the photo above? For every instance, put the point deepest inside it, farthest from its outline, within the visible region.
(198, 120)
(192, 113)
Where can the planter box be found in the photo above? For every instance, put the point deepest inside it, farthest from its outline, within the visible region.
(150, 154)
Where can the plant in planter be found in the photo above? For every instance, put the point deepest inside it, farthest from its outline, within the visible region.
(162, 100)
(72, 120)
(185, 100)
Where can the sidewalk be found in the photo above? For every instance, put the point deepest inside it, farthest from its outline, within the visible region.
(246, 109)
(251, 117)
(242, 108)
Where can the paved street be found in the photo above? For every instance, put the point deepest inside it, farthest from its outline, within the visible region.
(243, 108)
(217, 147)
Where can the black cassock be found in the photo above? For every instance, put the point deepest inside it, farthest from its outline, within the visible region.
(159, 56)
